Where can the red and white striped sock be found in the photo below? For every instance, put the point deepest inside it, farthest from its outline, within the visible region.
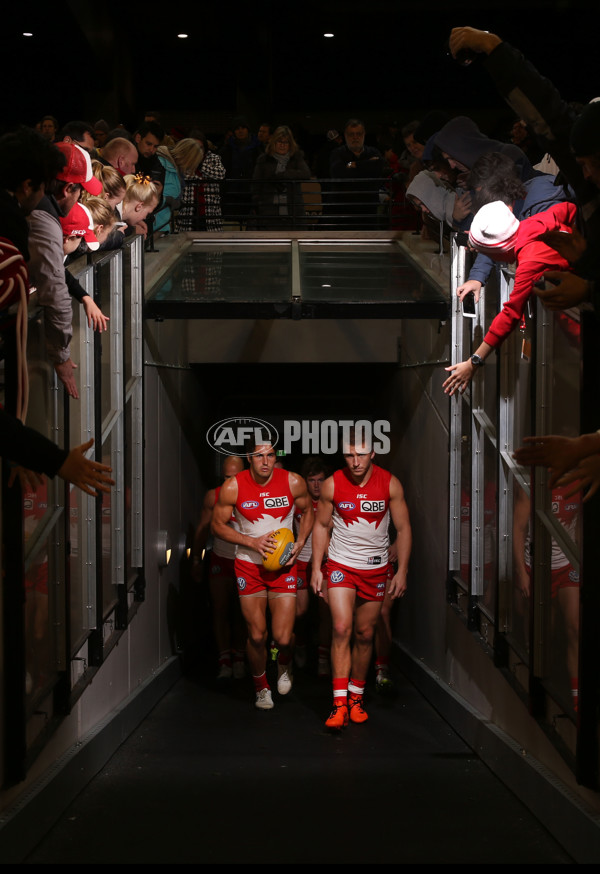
(356, 687)
(340, 690)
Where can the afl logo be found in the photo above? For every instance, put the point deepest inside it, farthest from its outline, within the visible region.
(241, 583)
(229, 436)
(336, 576)
(249, 505)
(346, 505)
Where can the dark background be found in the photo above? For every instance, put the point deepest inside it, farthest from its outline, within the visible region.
(269, 60)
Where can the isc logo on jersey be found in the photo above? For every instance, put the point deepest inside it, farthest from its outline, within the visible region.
(346, 505)
(336, 576)
(249, 505)
(372, 506)
(275, 503)
(241, 583)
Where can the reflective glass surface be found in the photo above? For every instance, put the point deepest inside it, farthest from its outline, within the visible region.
(322, 279)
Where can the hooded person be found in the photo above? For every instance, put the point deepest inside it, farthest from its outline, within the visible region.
(429, 194)
(462, 143)
(498, 233)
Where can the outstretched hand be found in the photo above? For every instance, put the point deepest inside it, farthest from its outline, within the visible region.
(559, 454)
(470, 38)
(570, 246)
(569, 291)
(585, 476)
(88, 475)
(29, 479)
(64, 371)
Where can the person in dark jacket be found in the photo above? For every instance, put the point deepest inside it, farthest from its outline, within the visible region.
(239, 155)
(276, 189)
(359, 169)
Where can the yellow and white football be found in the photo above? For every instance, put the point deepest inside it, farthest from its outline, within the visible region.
(283, 547)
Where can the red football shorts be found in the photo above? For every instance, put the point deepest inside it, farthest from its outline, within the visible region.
(369, 584)
(252, 578)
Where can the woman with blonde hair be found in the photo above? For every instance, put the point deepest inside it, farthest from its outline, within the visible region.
(113, 184)
(201, 191)
(276, 189)
(141, 198)
(103, 217)
(178, 161)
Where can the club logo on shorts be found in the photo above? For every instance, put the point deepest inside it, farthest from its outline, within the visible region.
(573, 576)
(336, 576)
(241, 583)
(249, 505)
(291, 582)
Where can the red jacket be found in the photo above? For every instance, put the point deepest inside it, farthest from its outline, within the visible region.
(533, 259)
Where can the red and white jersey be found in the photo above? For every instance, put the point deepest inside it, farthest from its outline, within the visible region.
(567, 511)
(223, 548)
(305, 553)
(262, 508)
(360, 536)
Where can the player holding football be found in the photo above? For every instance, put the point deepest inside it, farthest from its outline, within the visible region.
(262, 499)
(358, 501)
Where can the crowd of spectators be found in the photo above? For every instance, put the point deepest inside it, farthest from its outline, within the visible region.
(432, 173)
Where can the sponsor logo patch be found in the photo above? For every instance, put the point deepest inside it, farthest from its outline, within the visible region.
(336, 576)
(275, 503)
(241, 583)
(372, 506)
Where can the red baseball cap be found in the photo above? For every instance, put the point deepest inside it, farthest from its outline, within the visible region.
(78, 168)
(79, 223)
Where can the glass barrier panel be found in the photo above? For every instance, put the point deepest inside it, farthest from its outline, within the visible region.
(490, 528)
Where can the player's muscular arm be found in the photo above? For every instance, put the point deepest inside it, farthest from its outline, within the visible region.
(401, 521)
(303, 503)
(222, 514)
(320, 534)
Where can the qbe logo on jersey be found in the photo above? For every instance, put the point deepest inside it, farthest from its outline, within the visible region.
(276, 503)
(372, 506)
